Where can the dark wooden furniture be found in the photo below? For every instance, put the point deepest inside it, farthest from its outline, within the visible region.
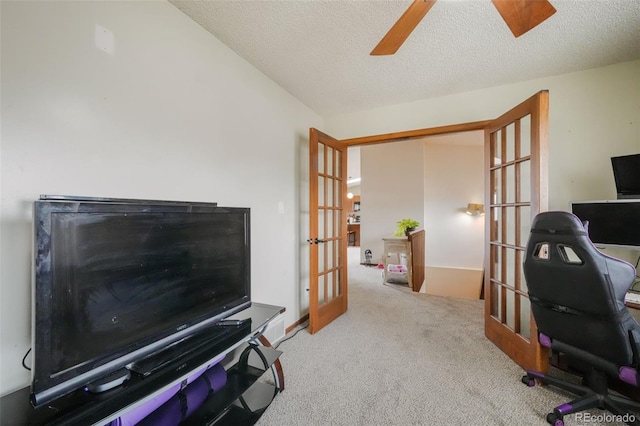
(418, 264)
(353, 232)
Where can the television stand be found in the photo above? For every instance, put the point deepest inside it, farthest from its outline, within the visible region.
(242, 399)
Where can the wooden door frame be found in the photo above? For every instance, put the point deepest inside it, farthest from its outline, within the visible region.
(416, 134)
(388, 138)
(458, 128)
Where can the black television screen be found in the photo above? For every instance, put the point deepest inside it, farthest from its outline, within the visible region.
(615, 223)
(626, 173)
(118, 280)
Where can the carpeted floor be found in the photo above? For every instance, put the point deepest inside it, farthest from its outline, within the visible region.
(402, 358)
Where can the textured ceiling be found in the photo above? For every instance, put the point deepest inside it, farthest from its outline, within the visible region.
(319, 50)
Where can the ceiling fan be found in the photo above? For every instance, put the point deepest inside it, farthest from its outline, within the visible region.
(520, 16)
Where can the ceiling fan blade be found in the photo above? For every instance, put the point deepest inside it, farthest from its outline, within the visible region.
(523, 15)
(392, 41)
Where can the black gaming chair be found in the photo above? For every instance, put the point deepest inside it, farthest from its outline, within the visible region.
(577, 299)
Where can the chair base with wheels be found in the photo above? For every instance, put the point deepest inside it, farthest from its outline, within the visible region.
(594, 393)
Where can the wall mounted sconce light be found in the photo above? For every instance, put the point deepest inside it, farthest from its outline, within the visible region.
(349, 195)
(474, 209)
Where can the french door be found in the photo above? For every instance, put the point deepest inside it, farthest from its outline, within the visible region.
(516, 189)
(328, 229)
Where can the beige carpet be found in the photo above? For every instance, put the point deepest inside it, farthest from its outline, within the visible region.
(402, 358)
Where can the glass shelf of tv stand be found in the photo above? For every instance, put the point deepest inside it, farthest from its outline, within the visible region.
(99, 409)
(244, 398)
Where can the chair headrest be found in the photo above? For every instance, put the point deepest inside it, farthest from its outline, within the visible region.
(558, 222)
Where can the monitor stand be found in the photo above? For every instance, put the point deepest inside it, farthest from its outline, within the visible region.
(109, 381)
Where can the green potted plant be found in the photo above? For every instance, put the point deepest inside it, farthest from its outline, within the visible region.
(405, 226)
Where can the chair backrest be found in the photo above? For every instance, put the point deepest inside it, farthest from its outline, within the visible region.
(577, 292)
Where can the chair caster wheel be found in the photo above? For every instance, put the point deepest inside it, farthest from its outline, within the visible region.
(528, 380)
(554, 420)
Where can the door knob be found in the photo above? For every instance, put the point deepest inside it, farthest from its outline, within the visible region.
(316, 241)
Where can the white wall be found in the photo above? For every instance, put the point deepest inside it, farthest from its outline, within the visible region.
(450, 176)
(392, 189)
(354, 189)
(453, 178)
(594, 115)
(171, 114)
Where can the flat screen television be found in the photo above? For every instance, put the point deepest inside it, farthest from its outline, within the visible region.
(116, 280)
(626, 173)
(611, 223)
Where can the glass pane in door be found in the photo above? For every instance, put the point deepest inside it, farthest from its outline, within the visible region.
(330, 198)
(525, 136)
(497, 184)
(525, 224)
(525, 317)
(322, 259)
(496, 300)
(523, 281)
(510, 180)
(510, 223)
(525, 181)
(510, 146)
(321, 288)
(496, 216)
(321, 224)
(510, 301)
(496, 149)
(510, 267)
(330, 285)
(321, 159)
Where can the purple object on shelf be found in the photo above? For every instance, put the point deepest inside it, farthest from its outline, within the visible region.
(134, 416)
(186, 401)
